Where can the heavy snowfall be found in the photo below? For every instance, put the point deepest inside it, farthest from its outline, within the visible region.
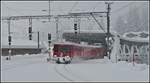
(126, 19)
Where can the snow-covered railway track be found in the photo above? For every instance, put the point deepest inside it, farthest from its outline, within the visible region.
(66, 73)
(61, 72)
(74, 75)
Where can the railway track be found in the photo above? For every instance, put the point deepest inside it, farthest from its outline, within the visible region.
(70, 72)
(61, 73)
(64, 72)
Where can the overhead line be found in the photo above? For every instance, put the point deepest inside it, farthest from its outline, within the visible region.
(73, 6)
(123, 7)
(12, 9)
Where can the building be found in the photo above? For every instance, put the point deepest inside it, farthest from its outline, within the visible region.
(20, 46)
(91, 37)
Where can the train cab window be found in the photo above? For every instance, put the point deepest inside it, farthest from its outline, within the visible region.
(55, 48)
(64, 48)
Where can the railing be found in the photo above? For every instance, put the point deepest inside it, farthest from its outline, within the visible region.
(130, 50)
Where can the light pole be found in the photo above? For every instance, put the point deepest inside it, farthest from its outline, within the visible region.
(108, 28)
(9, 39)
(49, 10)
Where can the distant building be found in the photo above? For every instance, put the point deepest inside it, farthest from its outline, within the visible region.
(20, 47)
(91, 37)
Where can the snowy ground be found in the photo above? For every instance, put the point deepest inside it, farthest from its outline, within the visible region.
(36, 68)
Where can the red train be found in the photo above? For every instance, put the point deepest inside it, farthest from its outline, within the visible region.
(65, 52)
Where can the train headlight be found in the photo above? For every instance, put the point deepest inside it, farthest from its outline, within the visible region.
(67, 58)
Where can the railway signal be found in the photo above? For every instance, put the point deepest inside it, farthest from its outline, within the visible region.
(75, 28)
(108, 28)
(30, 33)
(49, 38)
(49, 49)
(30, 28)
(9, 39)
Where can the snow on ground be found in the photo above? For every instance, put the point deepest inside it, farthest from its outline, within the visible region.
(36, 68)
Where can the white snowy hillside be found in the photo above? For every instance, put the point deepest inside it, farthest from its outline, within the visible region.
(36, 68)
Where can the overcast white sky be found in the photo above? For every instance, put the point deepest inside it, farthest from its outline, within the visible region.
(16, 8)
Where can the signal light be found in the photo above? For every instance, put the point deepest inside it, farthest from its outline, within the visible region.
(30, 33)
(49, 42)
(30, 29)
(75, 26)
(75, 32)
(9, 38)
(49, 36)
(30, 37)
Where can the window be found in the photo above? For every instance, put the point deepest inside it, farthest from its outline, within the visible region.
(64, 48)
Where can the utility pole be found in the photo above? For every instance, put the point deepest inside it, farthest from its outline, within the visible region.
(49, 10)
(38, 33)
(57, 34)
(78, 22)
(30, 28)
(49, 44)
(108, 28)
(9, 39)
(76, 27)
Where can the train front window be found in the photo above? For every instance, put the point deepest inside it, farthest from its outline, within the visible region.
(55, 49)
(64, 49)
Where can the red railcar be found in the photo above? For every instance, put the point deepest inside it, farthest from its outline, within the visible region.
(65, 52)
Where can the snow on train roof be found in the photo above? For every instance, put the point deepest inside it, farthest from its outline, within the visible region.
(84, 45)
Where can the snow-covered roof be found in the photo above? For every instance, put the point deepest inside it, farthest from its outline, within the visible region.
(136, 33)
(71, 43)
(136, 39)
(84, 31)
(89, 31)
(137, 36)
